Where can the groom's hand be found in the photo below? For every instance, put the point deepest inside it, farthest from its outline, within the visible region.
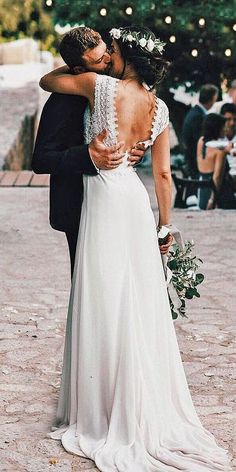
(104, 157)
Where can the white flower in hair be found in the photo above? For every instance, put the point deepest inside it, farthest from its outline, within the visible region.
(143, 42)
(160, 48)
(115, 33)
(130, 38)
(150, 45)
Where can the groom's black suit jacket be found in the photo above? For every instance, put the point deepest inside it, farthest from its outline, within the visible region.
(59, 151)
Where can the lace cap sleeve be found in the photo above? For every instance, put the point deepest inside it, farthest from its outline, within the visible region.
(103, 115)
(162, 119)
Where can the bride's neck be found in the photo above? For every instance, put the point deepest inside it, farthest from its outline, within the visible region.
(129, 73)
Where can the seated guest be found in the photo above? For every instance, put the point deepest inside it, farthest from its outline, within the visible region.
(228, 111)
(192, 126)
(212, 165)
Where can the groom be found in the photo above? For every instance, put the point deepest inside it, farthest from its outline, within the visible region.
(59, 148)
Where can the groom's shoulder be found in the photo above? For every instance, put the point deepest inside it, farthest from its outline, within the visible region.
(58, 101)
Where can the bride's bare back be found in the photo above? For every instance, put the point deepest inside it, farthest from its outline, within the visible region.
(135, 108)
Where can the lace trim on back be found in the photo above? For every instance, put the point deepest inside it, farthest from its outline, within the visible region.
(104, 114)
(161, 119)
(159, 123)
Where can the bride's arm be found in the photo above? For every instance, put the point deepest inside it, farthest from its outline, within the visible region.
(61, 81)
(162, 175)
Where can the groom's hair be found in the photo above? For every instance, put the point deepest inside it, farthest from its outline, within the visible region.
(76, 42)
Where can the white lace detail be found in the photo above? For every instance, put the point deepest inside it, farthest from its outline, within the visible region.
(103, 115)
(161, 120)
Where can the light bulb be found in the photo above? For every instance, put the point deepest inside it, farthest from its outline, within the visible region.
(194, 52)
(168, 20)
(103, 12)
(172, 39)
(202, 22)
(228, 52)
(129, 11)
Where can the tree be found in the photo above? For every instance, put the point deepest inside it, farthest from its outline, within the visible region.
(27, 18)
(198, 35)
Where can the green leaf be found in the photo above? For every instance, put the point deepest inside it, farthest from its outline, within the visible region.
(189, 294)
(195, 291)
(174, 315)
(199, 279)
(172, 264)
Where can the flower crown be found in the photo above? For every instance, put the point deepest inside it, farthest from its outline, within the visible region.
(145, 42)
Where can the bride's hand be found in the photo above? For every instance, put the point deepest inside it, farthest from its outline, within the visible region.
(136, 154)
(164, 248)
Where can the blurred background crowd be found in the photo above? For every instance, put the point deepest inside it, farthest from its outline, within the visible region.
(200, 89)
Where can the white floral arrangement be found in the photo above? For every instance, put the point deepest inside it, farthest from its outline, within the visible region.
(145, 42)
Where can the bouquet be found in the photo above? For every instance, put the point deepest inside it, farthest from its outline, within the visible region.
(181, 268)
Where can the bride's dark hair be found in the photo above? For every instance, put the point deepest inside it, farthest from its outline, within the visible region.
(150, 67)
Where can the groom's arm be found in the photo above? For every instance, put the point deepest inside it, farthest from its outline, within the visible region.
(53, 153)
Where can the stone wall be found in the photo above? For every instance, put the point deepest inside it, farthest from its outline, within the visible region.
(18, 112)
(19, 52)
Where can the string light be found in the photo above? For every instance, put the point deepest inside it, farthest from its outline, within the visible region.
(103, 12)
(234, 27)
(202, 22)
(194, 52)
(228, 52)
(168, 20)
(129, 11)
(49, 3)
(172, 39)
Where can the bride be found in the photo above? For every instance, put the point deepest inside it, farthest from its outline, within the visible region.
(124, 400)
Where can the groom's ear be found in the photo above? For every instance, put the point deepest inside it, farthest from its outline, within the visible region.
(79, 70)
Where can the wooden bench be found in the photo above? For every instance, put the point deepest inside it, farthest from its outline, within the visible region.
(23, 178)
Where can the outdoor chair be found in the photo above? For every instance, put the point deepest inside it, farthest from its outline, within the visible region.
(185, 187)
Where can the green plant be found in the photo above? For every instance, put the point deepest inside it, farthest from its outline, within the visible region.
(185, 277)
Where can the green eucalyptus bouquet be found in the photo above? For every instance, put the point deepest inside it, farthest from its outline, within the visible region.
(181, 268)
(184, 279)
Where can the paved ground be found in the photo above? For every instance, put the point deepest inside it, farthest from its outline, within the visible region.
(34, 293)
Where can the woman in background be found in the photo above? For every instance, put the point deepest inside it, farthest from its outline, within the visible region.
(212, 165)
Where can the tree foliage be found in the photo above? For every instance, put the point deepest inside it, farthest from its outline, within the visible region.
(210, 40)
(183, 11)
(27, 18)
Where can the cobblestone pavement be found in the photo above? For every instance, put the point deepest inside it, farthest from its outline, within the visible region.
(34, 293)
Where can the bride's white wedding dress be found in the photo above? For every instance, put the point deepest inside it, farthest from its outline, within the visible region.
(124, 400)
